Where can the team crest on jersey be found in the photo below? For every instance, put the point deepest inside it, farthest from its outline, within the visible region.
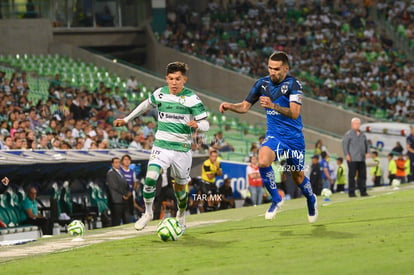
(181, 100)
(284, 88)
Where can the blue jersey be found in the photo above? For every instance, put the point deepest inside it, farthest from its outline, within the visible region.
(129, 177)
(289, 90)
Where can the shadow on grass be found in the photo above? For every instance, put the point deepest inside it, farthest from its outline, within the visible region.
(319, 231)
(193, 240)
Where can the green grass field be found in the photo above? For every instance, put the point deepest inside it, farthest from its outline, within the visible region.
(373, 235)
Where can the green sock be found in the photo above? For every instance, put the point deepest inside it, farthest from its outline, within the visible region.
(182, 199)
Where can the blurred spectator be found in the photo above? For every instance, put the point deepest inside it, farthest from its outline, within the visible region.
(220, 144)
(355, 147)
(31, 215)
(340, 175)
(30, 10)
(4, 184)
(253, 152)
(210, 169)
(118, 193)
(254, 181)
(398, 149)
(319, 147)
(392, 168)
(327, 181)
(410, 153)
(136, 142)
(105, 18)
(130, 177)
(401, 168)
(198, 145)
(8, 143)
(226, 195)
(376, 171)
(132, 84)
(148, 129)
(315, 176)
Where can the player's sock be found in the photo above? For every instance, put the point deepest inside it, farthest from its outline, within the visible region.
(268, 177)
(306, 188)
(149, 187)
(182, 199)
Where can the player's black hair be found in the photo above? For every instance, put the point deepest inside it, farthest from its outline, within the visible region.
(340, 159)
(375, 153)
(280, 56)
(113, 159)
(177, 67)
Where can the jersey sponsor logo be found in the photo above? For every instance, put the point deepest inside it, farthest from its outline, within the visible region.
(163, 115)
(272, 112)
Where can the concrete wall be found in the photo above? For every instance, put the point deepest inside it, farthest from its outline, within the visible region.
(21, 36)
(97, 37)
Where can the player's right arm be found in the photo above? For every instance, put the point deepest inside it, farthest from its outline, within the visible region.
(242, 107)
(140, 109)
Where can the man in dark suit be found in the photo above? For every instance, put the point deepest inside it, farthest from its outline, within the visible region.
(119, 194)
(4, 184)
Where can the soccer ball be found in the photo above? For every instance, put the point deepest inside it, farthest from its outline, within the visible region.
(326, 194)
(396, 183)
(76, 228)
(169, 229)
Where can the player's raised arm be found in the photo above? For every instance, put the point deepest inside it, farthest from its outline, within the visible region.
(141, 108)
(242, 107)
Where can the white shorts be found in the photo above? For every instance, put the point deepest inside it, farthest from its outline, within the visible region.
(180, 163)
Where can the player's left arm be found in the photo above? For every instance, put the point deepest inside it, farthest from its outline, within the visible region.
(295, 102)
(200, 121)
(293, 111)
(202, 125)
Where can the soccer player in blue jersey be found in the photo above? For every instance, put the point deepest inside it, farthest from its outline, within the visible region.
(281, 96)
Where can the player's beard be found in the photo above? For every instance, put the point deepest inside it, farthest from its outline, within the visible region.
(274, 79)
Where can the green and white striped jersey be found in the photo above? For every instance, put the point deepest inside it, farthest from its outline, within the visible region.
(174, 112)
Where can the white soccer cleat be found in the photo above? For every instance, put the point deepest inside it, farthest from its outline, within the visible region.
(142, 222)
(273, 209)
(313, 209)
(181, 218)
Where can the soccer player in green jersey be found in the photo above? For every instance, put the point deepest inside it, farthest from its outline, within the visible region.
(180, 112)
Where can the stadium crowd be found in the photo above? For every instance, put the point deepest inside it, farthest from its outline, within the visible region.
(80, 119)
(336, 48)
(400, 14)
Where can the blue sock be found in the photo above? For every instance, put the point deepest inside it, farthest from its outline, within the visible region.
(306, 188)
(268, 177)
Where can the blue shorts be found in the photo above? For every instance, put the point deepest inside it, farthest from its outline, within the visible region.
(292, 150)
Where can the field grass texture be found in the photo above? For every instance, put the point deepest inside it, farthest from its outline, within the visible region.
(370, 235)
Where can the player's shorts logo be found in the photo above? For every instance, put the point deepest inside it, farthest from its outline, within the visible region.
(286, 154)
